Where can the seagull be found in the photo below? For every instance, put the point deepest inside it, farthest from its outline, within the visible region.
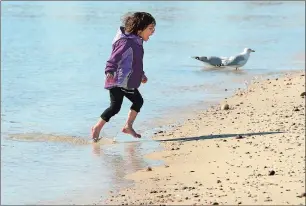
(212, 60)
(233, 61)
(239, 60)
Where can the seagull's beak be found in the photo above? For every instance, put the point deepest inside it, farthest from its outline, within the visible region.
(252, 50)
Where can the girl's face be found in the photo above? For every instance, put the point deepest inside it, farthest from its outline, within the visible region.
(145, 34)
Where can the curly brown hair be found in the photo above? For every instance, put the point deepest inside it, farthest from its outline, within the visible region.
(137, 21)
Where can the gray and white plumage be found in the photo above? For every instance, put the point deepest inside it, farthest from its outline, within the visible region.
(233, 61)
(239, 60)
(212, 60)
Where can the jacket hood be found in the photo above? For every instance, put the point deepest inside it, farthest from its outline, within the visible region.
(122, 35)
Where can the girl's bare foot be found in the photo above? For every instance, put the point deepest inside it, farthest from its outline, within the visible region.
(131, 131)
(95, 132)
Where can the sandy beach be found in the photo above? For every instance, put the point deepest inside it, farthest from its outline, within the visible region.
(250, 153)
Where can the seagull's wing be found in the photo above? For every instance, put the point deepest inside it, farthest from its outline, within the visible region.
(235, 60)
(215, 61)
(225, 58)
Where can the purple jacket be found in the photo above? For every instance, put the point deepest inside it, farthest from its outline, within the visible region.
(125, 62)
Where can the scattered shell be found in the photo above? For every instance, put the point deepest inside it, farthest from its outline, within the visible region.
(296, 109)
(225, 107)
(302, 195)
(272, 172)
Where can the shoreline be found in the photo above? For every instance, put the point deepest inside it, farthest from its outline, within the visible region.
(230, 170)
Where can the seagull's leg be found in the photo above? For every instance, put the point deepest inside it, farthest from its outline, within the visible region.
(236, 68)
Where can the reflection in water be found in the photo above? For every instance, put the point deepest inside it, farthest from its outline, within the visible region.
(131, 159)
(224, 70)
(79, 177)
(207, 86)
(121, 164)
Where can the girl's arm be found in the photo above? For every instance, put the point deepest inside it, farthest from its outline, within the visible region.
(116, 56)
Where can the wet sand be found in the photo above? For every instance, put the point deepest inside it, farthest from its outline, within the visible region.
(252, 153)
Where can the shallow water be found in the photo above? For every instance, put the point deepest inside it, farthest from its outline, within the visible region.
(52, 65)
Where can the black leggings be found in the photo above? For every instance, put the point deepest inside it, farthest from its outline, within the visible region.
(116, 97)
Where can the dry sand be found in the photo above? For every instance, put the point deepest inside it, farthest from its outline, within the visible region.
(205, 162)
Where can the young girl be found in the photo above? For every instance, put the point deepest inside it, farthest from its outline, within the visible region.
(124, 70)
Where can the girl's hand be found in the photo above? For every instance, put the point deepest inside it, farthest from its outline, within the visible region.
(144, 79)
(109, 76)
